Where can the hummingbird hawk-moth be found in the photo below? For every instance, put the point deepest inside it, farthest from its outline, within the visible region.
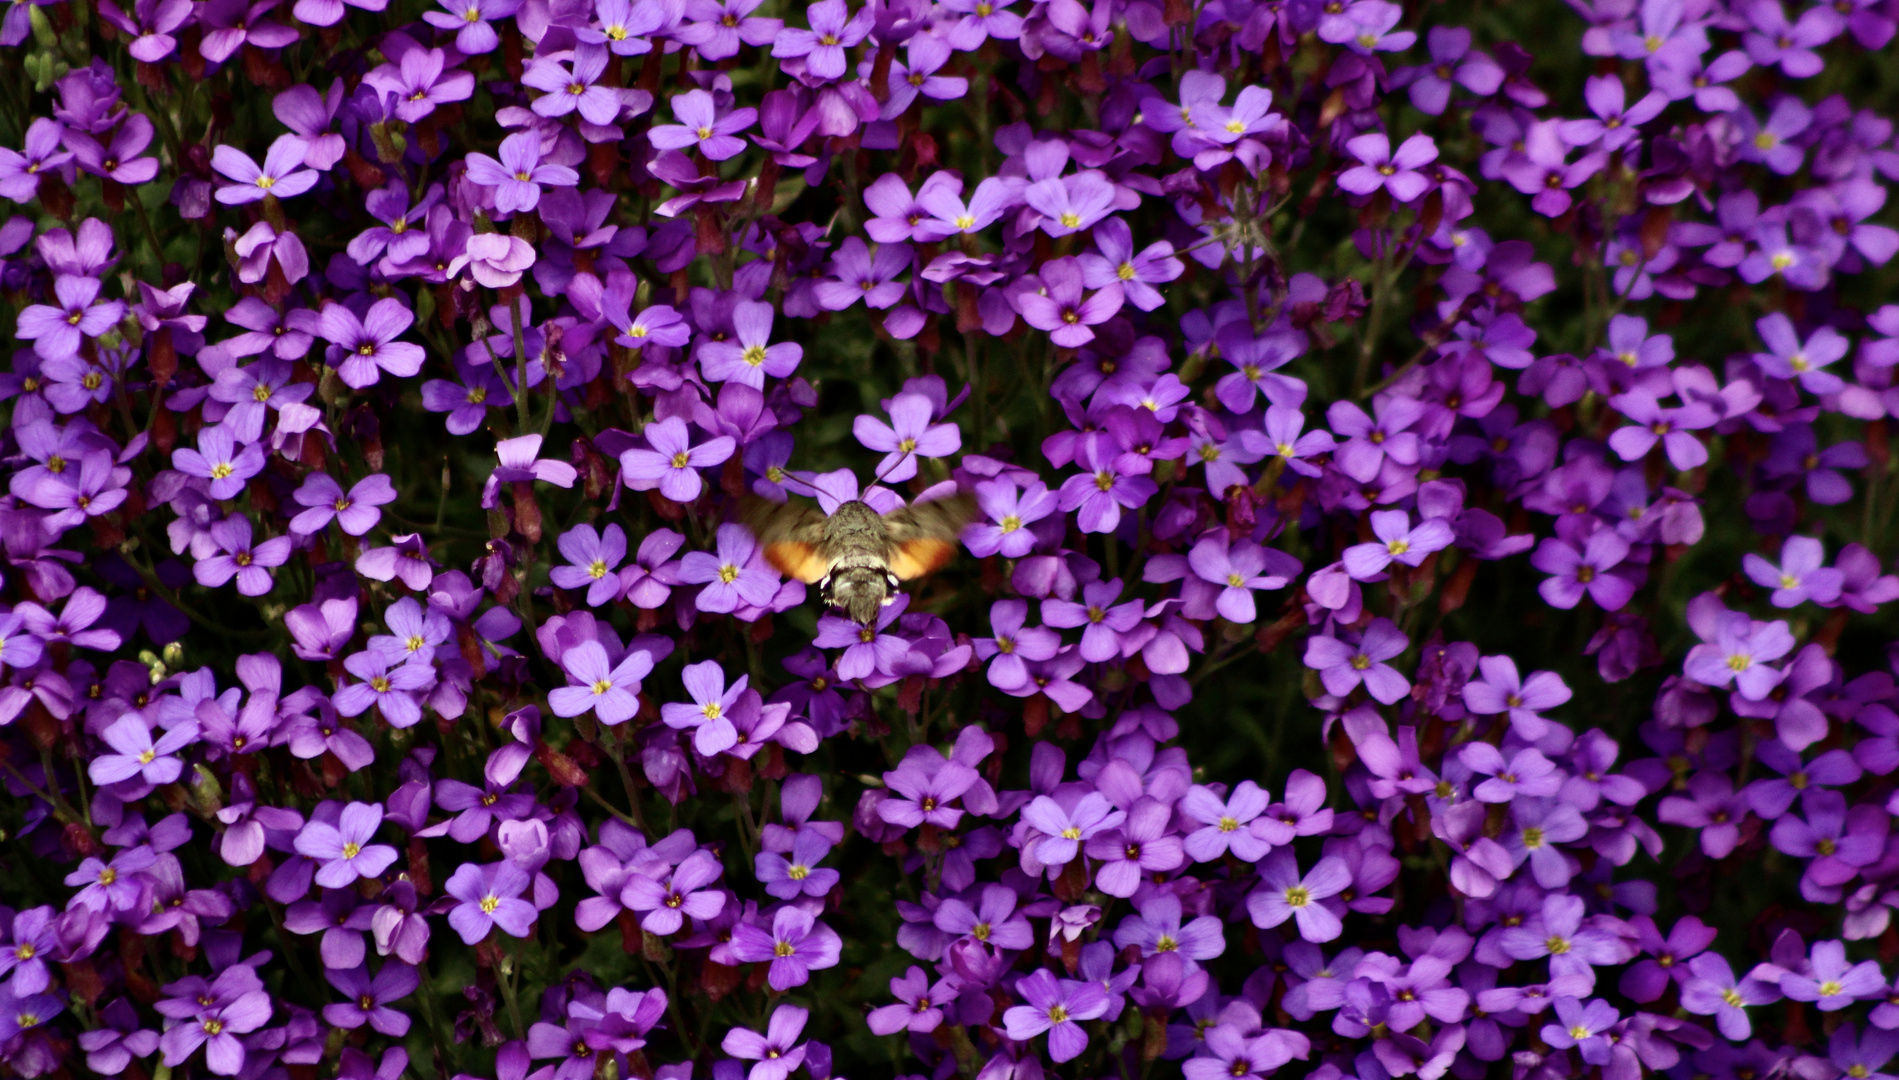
(857, 556)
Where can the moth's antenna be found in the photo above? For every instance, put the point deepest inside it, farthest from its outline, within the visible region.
(901, 458)
(787, 476)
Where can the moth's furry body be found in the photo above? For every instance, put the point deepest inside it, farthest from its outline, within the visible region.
(857, 556)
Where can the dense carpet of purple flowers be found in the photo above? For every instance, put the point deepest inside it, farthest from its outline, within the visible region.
(1428, 611)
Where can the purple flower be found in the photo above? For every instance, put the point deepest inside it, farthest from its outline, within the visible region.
(1585, 1027)
(282, 174)
(1009, 511)
(1060, 306)
(683, 894)
(1586, 571)
(672, 463)
(908, 436)
(420, 82)
(736, 576)
(565, 91)
(1833, 983)
(1065, 829)
(490, 896)
(749, 359)
(795, 945)
(1283, 894)
(709, 716)
(386, 684)
(609, 691)
(833, 29)
(58, 331)
(1801, 576)
(355, 512)
(362, 349)
(1790, 358)
(368, 998)
(789, 877)
(919, 1007)
(343, 851)
(518, 175)
(218, 460)
(1342, 666)
(777, 1052)
(20, 170)
(213, 1015)
(994, 921)
(1397, 542)
(593, 561)
(1057, 1006)
(1381, 168)
(1502, 690)
(700, 126)
(858, 275)
(238, 558)
(472, 21)
(1739, 655)
(138, 754)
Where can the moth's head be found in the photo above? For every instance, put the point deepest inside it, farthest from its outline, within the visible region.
(861, 591)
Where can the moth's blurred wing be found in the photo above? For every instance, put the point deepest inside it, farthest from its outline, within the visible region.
(792, 535)
(923, 537)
